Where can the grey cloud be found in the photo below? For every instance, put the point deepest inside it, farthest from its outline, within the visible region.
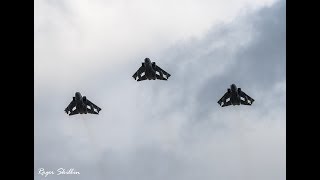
(175, 129)
(255, 65)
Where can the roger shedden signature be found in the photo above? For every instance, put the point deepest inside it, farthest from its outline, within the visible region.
(60, 171)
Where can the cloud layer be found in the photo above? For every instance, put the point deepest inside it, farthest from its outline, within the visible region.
(154, 129)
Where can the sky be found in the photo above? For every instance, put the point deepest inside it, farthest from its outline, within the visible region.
(155, 130)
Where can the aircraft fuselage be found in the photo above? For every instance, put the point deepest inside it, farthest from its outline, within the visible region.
(235, 97)
(80, 105)
(150, 73)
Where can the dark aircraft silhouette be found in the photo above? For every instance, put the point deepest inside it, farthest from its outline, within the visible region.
(150, 71)
(235, 96)
(82, 106)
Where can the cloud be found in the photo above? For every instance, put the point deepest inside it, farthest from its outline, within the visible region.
(78, 37)
(155, 129)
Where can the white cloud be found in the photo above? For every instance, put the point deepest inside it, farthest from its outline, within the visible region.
(156, 129)
(77, 38)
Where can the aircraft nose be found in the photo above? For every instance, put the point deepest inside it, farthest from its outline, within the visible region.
(78, 95)
(233, 86)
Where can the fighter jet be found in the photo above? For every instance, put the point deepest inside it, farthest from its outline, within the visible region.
(235, 96)
(81, 105)
(149, 70)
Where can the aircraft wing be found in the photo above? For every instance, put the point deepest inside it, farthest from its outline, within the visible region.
(73, 112)
(92, 108)
(245, 99)
(70, 107)
(162, 72)
(223, 101)
(138, 73)
(144, 77)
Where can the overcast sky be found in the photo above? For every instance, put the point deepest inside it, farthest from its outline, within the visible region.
(156, 130)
